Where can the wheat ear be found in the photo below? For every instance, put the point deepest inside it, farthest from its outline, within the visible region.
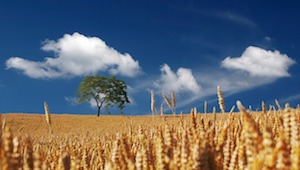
(167, 101)
(3, 124)
(278, 104)
(6, 149)
(263, 107)
(48, 117)
(152, 106)
(173, 102)
(152, 102)
(194, 117)
(205, 108)
(161, 110)
(221, 100)
(253, 136)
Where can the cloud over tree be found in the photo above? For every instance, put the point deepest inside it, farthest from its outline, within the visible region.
(181, 81)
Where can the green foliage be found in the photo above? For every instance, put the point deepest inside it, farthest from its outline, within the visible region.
(106, 90)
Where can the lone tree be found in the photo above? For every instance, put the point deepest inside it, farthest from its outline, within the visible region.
(104, 90)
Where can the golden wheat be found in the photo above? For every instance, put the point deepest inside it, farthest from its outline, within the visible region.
(221, 99)
(48, 117)
(167, 102)
(152, 102)
(240, 140)
(173, 102)
(161, 110)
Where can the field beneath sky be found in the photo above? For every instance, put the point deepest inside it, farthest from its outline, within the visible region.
(267, 139)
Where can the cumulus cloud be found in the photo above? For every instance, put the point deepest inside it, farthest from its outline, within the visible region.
(260, 63)
(77, 55)
(181, 81)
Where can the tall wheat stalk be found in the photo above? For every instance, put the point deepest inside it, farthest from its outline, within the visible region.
(161, 109)
(221, 99)
(48, 117)
(152, 102)
(173, 102)
(3, 124)
(152, 106)
(168, 102)
(263, 107)
(278, 104)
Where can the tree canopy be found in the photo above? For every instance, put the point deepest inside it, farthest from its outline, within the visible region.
(106, 91)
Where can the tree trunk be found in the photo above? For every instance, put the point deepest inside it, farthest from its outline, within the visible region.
(99, 105)
(99, 110)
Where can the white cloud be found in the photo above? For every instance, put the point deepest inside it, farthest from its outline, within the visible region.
(229, 16)
(230, 82)
(268, 39)
(131, 100)
(290, 98)
(236, 18)
(260, 63)
(71, 100)
(93, 103)
(181, 81)
(77, 55)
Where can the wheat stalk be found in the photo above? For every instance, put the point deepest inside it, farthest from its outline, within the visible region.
(221, 99)
(263, 107)
(139, 160)
(48, 117)
(3, 124)
(160, 162)
(205, 107)
(16, 157)
(161, 110)
(153, 109)
(28, 155)
(278, 104)
(193, 114)
(268, 144)
(6, 148)
(253, 136)
(47, 114)
(167, 101)
(214, 110)
(38, 164)
(173, 102)
(283, 155)
(196, 155)
(152, 102)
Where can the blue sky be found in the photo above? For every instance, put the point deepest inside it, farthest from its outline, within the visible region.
(249, 48)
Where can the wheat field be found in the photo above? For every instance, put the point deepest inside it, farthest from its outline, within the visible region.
(267, 139)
